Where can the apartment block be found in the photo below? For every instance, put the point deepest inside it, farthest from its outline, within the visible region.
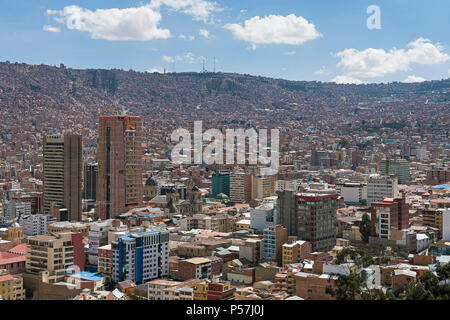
(55, 255)
(11, 287)
(388, 215)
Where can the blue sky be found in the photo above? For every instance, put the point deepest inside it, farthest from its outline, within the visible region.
(291, 39)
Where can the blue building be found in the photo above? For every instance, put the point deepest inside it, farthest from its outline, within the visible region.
(140, 256)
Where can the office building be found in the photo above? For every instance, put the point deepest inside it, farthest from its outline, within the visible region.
(140, 257)
(310, 217)
(120, 152)
(380, 187)
(240, 187)
(399, 167)
(62, 173)
(221, 183)
(90, 181)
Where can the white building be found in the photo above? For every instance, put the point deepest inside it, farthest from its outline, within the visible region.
(380, 187)
(13, 209)
(141, 256)
(36, 225)
(262, 217)
(352, 192)
(446, 225)
(422, 242)
(98, 236)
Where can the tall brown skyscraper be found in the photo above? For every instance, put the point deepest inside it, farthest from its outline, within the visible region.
(119, 165)
(62, 173)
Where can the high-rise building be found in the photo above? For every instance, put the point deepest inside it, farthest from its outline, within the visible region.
(380, 187)
(399, 167)
(221, 183)
(120, 185)
(310, 217)
(90, 181)
(62, 173)
(263, 187)
(140, 257)
(387, 215)
(240, 187)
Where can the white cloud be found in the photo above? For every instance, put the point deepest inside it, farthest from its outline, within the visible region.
(413, 79)
(322, 71)
(243, 11)
(290, 53)
(51, 29)
(371, 62)
(156, 69)
(182, 36)
(200, 10)
(346, 80)
(140, 23)
(204, 33)
(168, 59)
(275, 29)
(187, 57)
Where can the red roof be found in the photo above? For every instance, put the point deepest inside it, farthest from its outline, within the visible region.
(7, 258)
(19, 249)
(6, 278)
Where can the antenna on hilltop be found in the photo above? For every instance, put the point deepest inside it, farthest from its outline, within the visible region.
(214, 64)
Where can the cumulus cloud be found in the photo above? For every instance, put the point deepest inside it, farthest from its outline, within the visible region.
(274, 29)
(346, 80)
(370, 63)
(204, 33)
(290, 53)
(200, 10)
(51, 29)
(413, 79)
(140, 23)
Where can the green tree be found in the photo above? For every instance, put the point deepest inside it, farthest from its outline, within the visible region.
(417, 291)
(346, 287)
(365, 227)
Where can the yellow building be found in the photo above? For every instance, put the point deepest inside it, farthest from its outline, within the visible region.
(11, 288)
(53, 254)
(243, 225)
(432, 218)
(201, 291)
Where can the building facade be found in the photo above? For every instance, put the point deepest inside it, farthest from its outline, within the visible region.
(140, 257)
(119, 186)
(63, 173)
